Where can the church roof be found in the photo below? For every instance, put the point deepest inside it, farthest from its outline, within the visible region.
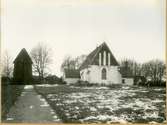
(23, 56)
(71, 73)
(91, 57)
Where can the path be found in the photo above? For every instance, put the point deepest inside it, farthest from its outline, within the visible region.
(31, 108)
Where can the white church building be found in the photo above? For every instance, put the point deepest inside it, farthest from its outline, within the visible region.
(99, 67)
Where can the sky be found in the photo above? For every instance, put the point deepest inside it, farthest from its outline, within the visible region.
(132, 29)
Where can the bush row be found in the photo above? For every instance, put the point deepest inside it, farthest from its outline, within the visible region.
(148, 84)
(87, 84)
(153, 84)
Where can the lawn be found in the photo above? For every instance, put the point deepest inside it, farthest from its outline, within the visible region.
(117, 104)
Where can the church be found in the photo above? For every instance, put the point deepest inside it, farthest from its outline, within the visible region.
(99, 67)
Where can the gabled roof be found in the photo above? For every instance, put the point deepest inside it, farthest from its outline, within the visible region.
(23, 57)
(71, 73)
(91, 57)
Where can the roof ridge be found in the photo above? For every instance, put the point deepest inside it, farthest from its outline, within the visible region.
(23, 54)
(92, 56)
(112, 54)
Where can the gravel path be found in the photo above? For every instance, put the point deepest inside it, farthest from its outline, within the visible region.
(31, 108)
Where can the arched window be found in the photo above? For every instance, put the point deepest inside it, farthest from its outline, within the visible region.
(104, 74)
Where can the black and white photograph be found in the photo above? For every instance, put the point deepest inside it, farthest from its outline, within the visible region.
(83, 61)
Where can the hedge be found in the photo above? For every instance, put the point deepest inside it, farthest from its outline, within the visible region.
(9, 94)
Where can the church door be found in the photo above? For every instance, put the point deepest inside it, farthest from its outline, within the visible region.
(104, 74)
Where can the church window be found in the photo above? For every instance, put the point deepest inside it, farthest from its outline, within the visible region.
(104, 58)
(104, 74)
(100, 59)
(109, 59)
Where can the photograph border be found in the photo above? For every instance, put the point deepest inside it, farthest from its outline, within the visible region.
(77, 123)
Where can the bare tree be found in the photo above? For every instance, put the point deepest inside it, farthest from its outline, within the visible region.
(136, 68)
(68, 63)
(79, 60)
(155, 69)
(72, 63)
(7, 65)
(41, 57)
(129, 67)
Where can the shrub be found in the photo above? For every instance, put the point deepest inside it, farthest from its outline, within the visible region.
(84, 83)
(154, 84)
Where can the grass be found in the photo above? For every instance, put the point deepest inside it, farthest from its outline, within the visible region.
(106, 104)
(9, 95)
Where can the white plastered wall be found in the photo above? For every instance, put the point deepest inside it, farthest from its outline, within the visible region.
(94, 76)
(129, 81)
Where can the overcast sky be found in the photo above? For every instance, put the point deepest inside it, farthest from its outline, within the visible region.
(132, 28)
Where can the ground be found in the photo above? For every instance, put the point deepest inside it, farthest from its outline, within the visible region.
(117, 104)
(70, 104)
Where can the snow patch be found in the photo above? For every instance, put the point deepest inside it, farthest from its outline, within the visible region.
(97, 88)
(9, 119)
(47, 85)
(28, 87)
(45, 104)
(144, 105)
(152, 122)
(76, 107)
(56, 120)
(70, 101)
(125, 87)
(31, 106)
(157, 101)
(52, 113)
(23, 93)
(122, 121)
(50, 95)
(93, 109)
(144, 91)
(54, 99)
(59, 104)
(158, 89)
(67, 114)
(105, 117)
(55, 117)
(151, 115)
(42, 99)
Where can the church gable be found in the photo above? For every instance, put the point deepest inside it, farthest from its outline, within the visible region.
(104, 57)
(100, 56)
